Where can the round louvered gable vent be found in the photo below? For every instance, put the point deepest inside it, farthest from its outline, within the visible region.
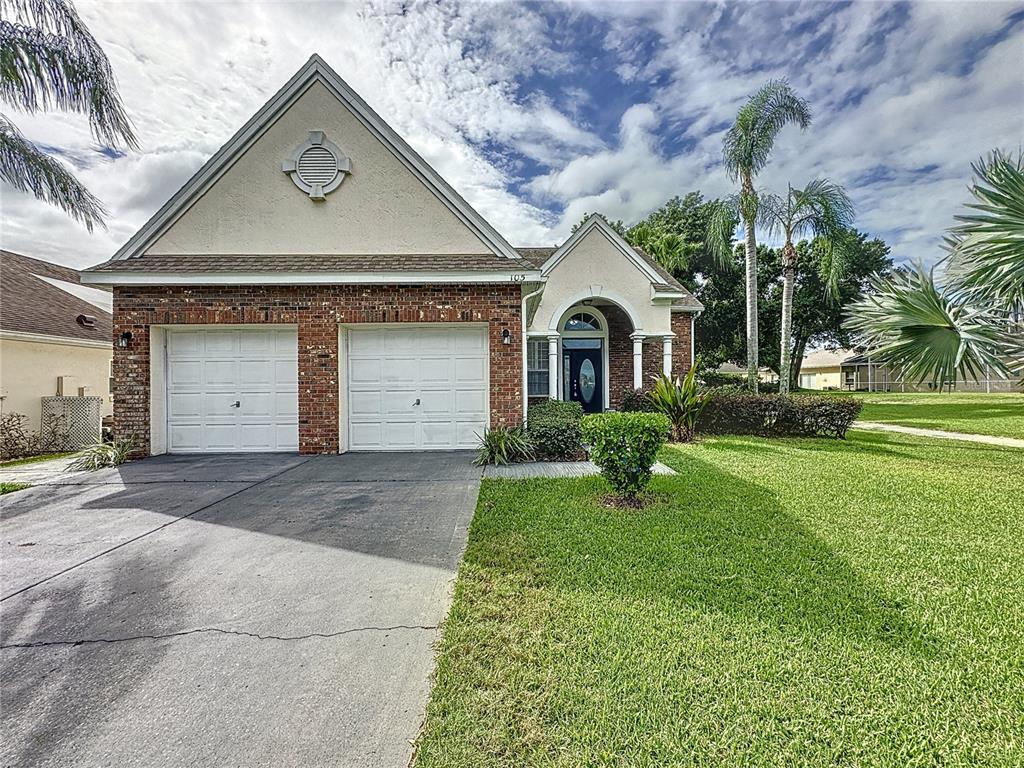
(318, 166)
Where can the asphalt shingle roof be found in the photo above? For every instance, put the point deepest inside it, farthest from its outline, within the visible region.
(29, 304)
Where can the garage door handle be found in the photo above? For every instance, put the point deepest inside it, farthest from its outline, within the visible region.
(417, 401)
(236, 404)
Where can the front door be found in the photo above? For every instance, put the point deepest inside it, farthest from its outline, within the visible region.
(585, 377)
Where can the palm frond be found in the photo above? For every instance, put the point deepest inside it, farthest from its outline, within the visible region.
(908, 323)
(723, 218)
(748, 143)
(986, 249)
(50, 60)
(26, 168)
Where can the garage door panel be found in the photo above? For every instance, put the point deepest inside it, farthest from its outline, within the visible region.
(185, 405)
(368, 435)
(436, 370)
(256, 372)
(401, 434)
(209, 370)
(187, 437)
(286, 373)
(365, 403)
(437, 402)
(443, 366)
(220, 437)
(185, 343)
(470, 402)
(365, 372)
(220, 373)
(469, 370)
(439, 434)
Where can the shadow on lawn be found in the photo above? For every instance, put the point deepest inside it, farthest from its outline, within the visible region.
(719, 543)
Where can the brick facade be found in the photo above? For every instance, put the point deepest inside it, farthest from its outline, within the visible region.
(620, 352)
(317, 311)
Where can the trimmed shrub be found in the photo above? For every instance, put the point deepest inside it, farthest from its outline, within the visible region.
(637, 401)
(734, 412)
(554, 430)
(503, 445)
(624, 446)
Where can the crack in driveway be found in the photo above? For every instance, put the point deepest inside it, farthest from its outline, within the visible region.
(216, 630)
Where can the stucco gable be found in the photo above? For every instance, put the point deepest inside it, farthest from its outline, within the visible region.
(242, 202)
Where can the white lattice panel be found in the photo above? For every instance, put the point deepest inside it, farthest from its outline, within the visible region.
(71, 422)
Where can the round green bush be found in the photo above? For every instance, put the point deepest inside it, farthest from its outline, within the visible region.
(625, 446)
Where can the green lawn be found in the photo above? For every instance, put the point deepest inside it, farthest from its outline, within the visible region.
(6, 488)
(1001, 415)
(34, 459)
(786, 603)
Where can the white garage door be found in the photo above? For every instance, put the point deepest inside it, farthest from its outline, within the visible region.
(416, 387)
(232, 390)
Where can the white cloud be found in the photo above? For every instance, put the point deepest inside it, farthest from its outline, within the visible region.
(497, 97)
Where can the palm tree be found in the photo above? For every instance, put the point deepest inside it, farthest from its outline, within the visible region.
(746, 149)
(820, 210)
(50, 60)
(971, 323)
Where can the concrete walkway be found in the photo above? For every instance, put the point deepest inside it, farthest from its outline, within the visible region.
(556, 469)
(38, 472)
(876, 426)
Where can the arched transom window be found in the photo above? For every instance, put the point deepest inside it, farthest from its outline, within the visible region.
(583, 321)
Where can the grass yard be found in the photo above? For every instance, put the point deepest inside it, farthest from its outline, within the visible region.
(785, 603)
(6, 488)
(34, 459)
(1001, 415)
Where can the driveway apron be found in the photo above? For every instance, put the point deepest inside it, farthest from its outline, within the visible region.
(270, 610)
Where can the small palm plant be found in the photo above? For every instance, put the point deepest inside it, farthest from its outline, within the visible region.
(682, 401)
(504, 445)
(821, 211)
(102, 455)
(972, 323)
(746, 150)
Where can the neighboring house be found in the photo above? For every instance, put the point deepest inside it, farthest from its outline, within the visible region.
(823, 369)
(764, 375)
(55, 336)
(316, 286)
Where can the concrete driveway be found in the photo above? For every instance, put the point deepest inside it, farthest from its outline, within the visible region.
(228, 611)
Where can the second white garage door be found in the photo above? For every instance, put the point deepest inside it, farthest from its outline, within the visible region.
(416, 387)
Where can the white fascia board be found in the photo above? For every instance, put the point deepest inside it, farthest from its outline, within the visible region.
(656, 295)
(688, 310)
(315, 69)
(43, 338)
(304, 278)
(596, 221)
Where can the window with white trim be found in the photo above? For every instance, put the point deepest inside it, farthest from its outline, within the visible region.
(537, 367)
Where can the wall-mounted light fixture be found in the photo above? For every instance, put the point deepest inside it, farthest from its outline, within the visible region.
(506, 336)
(124, 339)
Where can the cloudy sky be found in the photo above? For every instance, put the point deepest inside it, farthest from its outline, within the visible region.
(539, 113)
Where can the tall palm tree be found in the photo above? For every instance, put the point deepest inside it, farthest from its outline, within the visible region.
(746, 150)
(820, 210)
(972, 323)
(50, 60)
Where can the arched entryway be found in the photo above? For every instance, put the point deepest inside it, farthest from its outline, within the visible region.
(583, 332)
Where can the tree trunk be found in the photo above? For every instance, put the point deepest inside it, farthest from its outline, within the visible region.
(788, 281)
(796, 360)
(749, 211)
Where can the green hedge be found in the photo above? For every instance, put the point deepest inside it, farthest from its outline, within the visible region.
(734, 412)
(624, 446)
(553, 427)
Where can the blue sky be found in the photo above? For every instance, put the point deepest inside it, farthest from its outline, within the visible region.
(538, 113)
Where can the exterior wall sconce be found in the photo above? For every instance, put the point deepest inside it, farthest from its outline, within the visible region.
(506, 336)
(124, 339)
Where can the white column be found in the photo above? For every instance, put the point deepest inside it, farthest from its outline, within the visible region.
(553, 367)
(638, 360)
(666, 355)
